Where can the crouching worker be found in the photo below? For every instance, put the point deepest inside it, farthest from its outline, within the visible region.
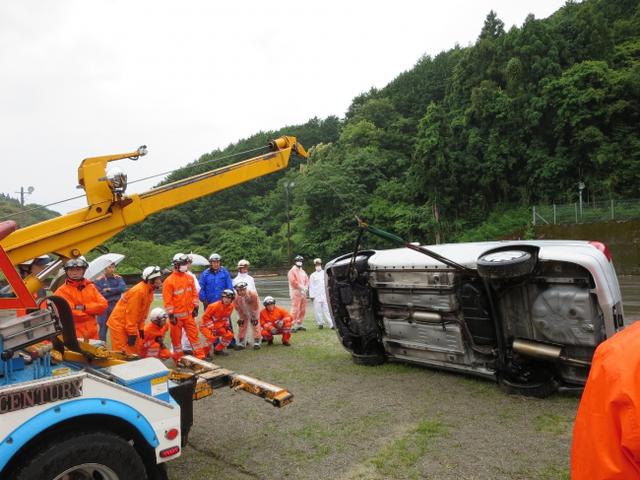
(215, 321)
(275, 321)
(153, 343)
(126, 323)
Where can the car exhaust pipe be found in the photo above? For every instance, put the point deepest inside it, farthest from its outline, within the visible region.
(411, 315)
(543, 351)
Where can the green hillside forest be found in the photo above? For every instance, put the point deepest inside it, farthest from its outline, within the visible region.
(457, 148)
(10, 209)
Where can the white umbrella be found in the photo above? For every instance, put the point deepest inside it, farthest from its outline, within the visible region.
(199, 260)
(98, 264)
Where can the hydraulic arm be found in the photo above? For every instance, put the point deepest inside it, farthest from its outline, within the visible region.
(109, 210)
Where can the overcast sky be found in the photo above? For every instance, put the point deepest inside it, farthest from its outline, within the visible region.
(84, 78)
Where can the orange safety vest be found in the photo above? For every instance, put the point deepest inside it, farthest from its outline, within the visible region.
(606, 433)
(269, 319)
(179, 294)
(131, 310)
(82, 292)
(217, 315)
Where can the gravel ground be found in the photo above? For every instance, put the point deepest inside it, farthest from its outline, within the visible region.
(354, 422)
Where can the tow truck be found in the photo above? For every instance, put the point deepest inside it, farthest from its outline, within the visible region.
(70, 408)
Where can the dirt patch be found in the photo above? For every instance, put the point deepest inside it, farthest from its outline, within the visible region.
(353, 422)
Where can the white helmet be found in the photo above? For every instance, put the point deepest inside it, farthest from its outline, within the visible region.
(317, 260)
(180, 258)
(79, 262)
(243, 263)
(157, 314)
(214, 256)
(269, 300)
(150, 273)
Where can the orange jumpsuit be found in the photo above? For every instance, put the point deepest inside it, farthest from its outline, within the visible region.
(298, 280)
(606, 433)
(152, 345)
(214, 325)
(248, 308)
(128, 316)
(180, 298)
(268, 321)
(83, 292)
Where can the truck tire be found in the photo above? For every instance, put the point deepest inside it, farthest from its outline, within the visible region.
(506, 264)
(90, 455)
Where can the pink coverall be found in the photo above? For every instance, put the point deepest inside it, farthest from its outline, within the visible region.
(298, 288)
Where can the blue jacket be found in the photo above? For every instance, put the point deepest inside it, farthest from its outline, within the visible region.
(213, 283)
(115, 285)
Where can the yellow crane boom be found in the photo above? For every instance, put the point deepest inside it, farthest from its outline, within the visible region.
(109, 211)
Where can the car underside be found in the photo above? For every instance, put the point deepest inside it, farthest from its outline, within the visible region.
(531, 324)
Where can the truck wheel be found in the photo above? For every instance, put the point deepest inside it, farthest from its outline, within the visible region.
(84, 455)
(370, 359)
(505, 264)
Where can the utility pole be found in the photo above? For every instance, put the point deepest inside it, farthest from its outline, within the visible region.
(22, 193)
(287, 186)
(581, 186)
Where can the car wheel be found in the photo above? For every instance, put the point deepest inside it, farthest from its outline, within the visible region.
(541, 386)
(369, 359)
(84, 455)
(506, 264)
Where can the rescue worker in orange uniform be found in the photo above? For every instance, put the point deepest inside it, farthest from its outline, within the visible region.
(152, 344)
(181, 304)
(126, 322)
(83, 297)
(247, 305)
(606, 432)
(215, 321)
(275, 321)
(298, 289)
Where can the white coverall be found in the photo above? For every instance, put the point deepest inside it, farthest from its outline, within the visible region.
(185, 341)
(317, 292)
(246, 278)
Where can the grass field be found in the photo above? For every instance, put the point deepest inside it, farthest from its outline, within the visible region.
(353, 422)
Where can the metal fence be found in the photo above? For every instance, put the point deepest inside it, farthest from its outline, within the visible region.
(586, 212)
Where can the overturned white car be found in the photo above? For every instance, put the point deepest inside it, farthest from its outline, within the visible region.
(528, 314)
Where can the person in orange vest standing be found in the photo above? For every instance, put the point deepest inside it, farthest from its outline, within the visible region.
(126, 322)
(275, 321)
(298, 289)
(606, 432)
(83, 297)
(215, 321)
(152, 344)
(181, 304)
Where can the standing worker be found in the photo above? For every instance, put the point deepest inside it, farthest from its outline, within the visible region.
(319, 296)
(243, 275)
(298, 289)
(213, 281)
(215, 321)
(186, 345)
(275, 321)
(247, 305)
(83, 297)
(152, 344)
(127, 319)
(111, 286)
(606, 432)
(181, 304)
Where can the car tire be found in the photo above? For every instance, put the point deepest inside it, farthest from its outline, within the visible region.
(506, 264)
(369, 359)
(540, 387)
(92, 454)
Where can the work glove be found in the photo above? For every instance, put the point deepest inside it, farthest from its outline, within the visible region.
(172, 319)
(131, 340)
(254, 321)
(274, 331)
(205, 304)
(279, 324)
(194, 313)
(240, 322)
(141, 333)
(79, 307)
(160, 341)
